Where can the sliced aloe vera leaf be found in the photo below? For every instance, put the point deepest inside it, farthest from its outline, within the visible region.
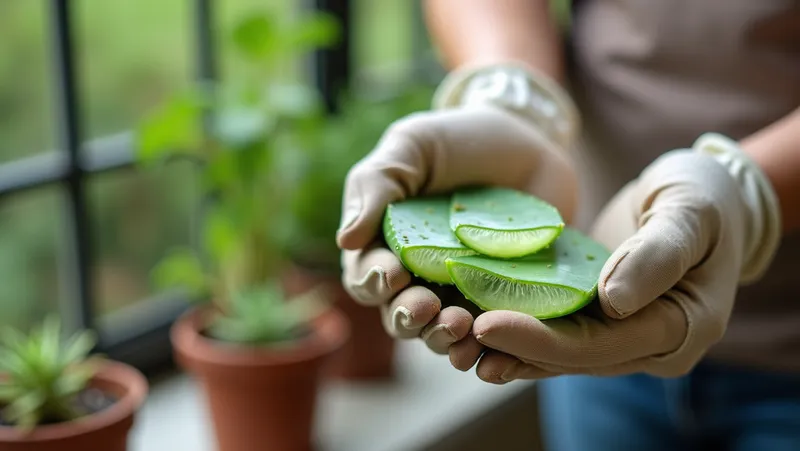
(555, 282)
(418, 231)
(504, 223)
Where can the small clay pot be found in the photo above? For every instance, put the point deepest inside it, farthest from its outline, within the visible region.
(106, 430)
(369, 354)
(260, 398)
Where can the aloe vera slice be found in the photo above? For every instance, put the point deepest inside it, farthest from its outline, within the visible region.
(555, 282)
(418, 231)
(503, 223)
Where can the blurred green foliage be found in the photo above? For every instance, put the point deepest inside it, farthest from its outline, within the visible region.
(236, 134)
(132, 55)
(271, 164)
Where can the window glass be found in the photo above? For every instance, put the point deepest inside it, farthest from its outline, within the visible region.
(31, 256)
(26, 109)
(136, 216)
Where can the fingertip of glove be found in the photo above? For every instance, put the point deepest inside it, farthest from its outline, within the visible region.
(612, 294)
(348, 236)
(488, 322)
(465, 353)
(347, 239)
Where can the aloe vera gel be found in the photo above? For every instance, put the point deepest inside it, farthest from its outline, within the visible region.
(503, 249)
(419, 232)
(503, 223)
(554, 282)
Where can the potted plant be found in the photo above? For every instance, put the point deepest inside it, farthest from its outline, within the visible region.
(320, 169)
(260, 360)
(55, 396)
(258, 351)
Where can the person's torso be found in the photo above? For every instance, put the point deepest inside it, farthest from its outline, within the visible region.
(652, 75)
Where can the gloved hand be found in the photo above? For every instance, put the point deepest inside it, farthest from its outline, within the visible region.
(502, 126)
(694, 226)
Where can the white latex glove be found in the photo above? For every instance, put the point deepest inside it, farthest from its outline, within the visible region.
(501, 126)
(694, 226)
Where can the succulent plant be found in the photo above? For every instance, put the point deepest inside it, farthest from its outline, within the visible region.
(41, 374)
(264, 315)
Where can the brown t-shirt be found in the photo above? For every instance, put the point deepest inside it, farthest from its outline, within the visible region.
(652, 75)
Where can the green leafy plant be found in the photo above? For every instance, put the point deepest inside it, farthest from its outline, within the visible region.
(241, 137)
(41, 374)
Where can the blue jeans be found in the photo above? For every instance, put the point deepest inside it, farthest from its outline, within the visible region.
(713, 408)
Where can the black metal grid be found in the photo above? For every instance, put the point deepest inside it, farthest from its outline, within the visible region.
(69, 122)
(141, 337)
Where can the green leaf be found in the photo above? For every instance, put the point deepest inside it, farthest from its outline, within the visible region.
(221, 236)
(51, 340)
(23, 411)
(318, 30)
(41, 373)
(262, 315)
(175, 129)
(261, 37)
(240, 127)
(256, 36)
(181, 268)
(75, 380)
(11, 362)
(221, 172)
(294, 100)
(9, 392)
(78, 347)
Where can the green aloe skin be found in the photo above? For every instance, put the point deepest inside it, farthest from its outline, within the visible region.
(557, 278)
(555, 282)
(503, 223)
(418, 231)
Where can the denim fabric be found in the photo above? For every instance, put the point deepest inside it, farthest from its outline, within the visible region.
(713, 408)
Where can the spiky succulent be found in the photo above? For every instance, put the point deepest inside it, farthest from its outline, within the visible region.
(41, 374)
(263, 315)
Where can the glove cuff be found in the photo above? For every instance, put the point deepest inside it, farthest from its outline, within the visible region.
(515, 88)
(764, 220)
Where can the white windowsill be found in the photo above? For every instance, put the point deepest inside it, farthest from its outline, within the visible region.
(429, 398)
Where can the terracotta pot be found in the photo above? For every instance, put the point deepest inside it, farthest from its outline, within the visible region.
(259, 398)
(369, 353)
(104, 431)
